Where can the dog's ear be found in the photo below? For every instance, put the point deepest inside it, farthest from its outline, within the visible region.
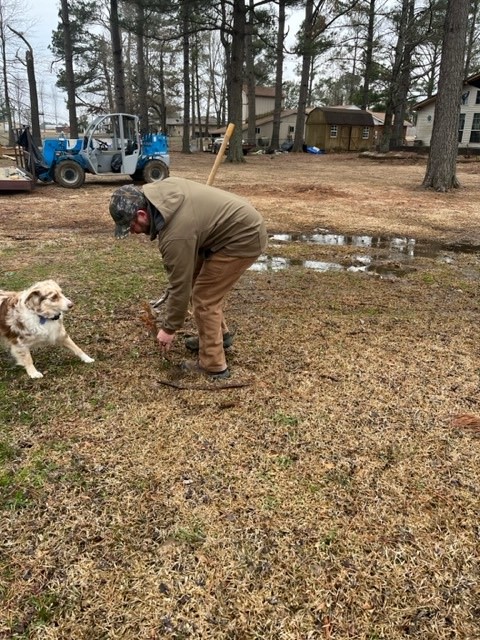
(34, 299)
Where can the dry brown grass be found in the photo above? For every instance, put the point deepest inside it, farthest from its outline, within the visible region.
(333, 497)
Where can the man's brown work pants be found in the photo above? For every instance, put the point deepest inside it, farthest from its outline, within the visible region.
(214, 278)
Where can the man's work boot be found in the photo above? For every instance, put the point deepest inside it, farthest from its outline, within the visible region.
(192, 343)
(192, 366)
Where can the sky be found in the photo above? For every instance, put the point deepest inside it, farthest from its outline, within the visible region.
(41, 19)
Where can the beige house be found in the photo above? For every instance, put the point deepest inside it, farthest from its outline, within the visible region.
(174, 127)
(264, 101)
(469, 121)
(264, 128)
(264, 107)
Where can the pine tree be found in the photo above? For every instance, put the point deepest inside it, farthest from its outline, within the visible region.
(442, 160)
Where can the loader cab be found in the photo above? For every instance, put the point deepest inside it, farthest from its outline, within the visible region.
(111, 143)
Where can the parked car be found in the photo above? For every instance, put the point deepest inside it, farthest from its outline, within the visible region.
(217, 143)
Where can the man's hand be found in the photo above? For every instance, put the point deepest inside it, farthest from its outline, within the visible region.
(165, 339)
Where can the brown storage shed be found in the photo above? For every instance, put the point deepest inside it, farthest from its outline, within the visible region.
(335, 129)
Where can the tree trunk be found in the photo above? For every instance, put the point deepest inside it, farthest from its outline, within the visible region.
(32, 86)
(404, 81)
(442, 159)
(392, 97)
(186, 78)
(69, 73)
(250, 76)
(369, 56)
(222, 103)
(307, 46)
(105, 58)
(198, 106)
(235, 85)
(277, 109)
(472, 38)
(129, 74)
(162, 91)
(193, 91)
(430, 74)
(6, 92)
(141, 71)
(118, 71)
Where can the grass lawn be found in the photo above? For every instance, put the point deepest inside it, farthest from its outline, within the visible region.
(331, 493)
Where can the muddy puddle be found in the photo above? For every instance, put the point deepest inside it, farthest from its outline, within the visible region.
(383, 256)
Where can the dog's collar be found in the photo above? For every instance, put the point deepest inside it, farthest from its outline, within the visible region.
(44, 319)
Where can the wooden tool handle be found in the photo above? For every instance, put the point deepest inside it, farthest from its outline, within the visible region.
(220, 154)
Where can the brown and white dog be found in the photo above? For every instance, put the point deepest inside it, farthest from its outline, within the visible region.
(34, 317)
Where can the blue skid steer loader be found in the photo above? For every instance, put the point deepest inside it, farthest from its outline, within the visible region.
(111, 145)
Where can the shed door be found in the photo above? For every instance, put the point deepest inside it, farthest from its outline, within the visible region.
(356, 140)
(344, 138)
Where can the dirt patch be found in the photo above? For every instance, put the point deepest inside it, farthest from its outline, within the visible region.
(295, 192)
(307, 191)
(330, 493)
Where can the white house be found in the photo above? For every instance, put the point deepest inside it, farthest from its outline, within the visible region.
(469, 122)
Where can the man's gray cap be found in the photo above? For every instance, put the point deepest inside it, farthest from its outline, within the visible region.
(124, 204)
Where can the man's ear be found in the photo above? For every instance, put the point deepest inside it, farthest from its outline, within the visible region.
(142, 215)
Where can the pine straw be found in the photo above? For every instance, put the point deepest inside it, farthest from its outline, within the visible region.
(335, 497)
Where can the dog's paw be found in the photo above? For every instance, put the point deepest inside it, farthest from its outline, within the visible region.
(86, 358)
(35, 374)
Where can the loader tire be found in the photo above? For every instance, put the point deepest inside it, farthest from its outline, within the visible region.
(69, 174)
(154, 171)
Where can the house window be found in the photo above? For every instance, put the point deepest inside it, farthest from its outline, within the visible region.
(461, 127)
(365, 133)
(291, 129)
(257, 130)
(475, 134)
(333, 131)
(465, 97)
(477, 99)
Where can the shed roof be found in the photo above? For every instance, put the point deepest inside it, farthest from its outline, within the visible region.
(378, 116)
(335, 115)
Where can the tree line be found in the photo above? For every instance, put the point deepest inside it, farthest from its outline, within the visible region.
(159, 58)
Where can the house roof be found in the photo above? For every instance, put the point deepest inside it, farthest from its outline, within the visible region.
(286, 113)
(262, 120)
(473, 80)
(378, 116)
(262, 92)
(424, 103)
(172, 122)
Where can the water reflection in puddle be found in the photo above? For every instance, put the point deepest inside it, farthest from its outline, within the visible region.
(398, 245)
(397, 248)
(276, 263)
